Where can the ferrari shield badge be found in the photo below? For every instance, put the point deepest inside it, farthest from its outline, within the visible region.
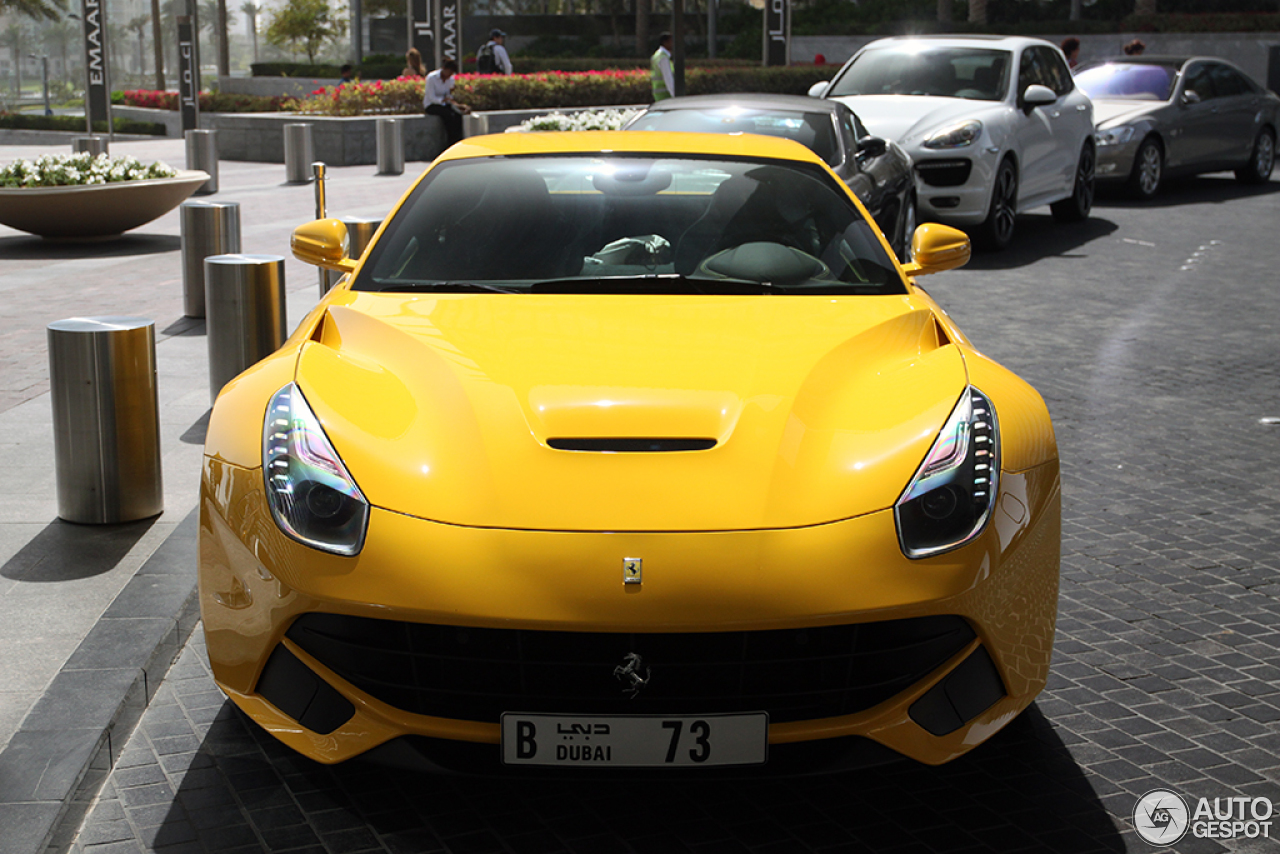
(631, 570)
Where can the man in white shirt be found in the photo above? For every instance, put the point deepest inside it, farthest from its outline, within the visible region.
(492, 58)
(664, 85)
(437, 100)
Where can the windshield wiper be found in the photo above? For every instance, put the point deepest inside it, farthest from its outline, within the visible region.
(447, 287)
(666, 283)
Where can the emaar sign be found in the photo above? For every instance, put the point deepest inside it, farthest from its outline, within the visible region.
(97, 96)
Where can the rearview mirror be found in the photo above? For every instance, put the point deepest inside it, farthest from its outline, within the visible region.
(1191, 96)
(817, 90)
(324, 243)
(935, 248)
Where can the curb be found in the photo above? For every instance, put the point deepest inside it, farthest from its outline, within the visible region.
(60, 756)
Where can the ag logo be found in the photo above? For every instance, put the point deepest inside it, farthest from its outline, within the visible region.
(1161, 817)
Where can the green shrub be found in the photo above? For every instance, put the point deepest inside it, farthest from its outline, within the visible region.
(75, 124)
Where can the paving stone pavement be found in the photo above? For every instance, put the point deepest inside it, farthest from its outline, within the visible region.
(1152, 333)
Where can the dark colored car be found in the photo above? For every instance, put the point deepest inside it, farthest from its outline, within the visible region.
(878, 171)
(1160, 116)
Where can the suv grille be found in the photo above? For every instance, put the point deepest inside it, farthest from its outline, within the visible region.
(944, 173)
(477, 674)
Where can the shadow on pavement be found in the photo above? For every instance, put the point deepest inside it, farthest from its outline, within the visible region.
(1200, 190)
(196, 432)
(185, 326)
(39, 249)
(1039, 236)
(65, 551)
(1021, 791)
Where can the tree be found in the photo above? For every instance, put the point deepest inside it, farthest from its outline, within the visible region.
(46, 9)
(305, 23)
(251, 14)
(1144, 7)
(977, 11)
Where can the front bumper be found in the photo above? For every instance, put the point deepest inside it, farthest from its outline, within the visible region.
(255, 584)
(1115, 162)
(953, 187)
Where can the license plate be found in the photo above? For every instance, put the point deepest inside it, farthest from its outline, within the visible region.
(640, 741)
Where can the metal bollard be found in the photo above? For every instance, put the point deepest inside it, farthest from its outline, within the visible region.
(208, 228)
(106, 419)
(246, 321)
(297, 153)
(202, 153)
(390, 147)
(359, 232)
(94, 145)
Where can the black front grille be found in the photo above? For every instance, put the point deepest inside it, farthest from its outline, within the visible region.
(944, 173)
(477, 674)
(631, 446)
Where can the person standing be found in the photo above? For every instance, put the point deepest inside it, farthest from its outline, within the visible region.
(413, 64)
(1071, 50)
(664, 84)
(437, 100)
(492, 57)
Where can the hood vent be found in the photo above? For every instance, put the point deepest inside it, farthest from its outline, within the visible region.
(631, 446)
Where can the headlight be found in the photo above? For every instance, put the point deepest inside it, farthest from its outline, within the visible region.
(955, 136)
(311, 494)
(949, 499)
(1115, 136)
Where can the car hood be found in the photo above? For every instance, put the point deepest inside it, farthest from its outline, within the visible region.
(1106, 113)
(442, 406)
(910, 118)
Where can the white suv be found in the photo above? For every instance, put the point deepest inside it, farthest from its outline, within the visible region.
(995, 124)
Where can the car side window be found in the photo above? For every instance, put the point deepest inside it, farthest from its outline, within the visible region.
(1057, 71)
(1226, 82)
(1028, 71)
(1198, 81)
(848, 133)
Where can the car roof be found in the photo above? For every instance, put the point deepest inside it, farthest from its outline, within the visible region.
(1151, 59)
(759, 100)
(658, 143)
(1011, 42)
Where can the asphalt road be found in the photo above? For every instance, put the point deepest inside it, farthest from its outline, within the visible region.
(1151, 331)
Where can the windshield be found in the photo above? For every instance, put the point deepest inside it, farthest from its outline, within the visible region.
(629, 224)
(1127, 82)
(946, 72)
(815, 131)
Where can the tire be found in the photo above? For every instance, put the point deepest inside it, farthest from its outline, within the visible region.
(1148, 169)
(1076, 207)
(996, 231)
(1261, 161)
(906, 228)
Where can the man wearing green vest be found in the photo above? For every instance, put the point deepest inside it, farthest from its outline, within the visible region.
(664, 84)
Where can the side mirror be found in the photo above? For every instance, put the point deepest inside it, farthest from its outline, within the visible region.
(935, 248)
(1038, 96)
(872, 146)
(323, 243)
(1191, 96)
(817, 90)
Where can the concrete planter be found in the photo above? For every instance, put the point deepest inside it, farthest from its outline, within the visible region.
(94, 210)
(336, 140)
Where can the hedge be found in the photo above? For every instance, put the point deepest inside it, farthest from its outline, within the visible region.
(551, 89)
(387, 70)
(210, 102)
(73, 124)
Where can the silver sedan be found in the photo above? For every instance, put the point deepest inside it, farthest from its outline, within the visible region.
(1160, 116)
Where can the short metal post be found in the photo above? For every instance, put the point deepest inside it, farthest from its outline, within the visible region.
(106, 419)
(297, 153)
(94, 145)
(202, 153)
(360, 231)
(244, 296)
(390, 147)
(208, 228)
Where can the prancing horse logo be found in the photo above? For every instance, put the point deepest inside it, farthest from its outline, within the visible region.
(629, 674)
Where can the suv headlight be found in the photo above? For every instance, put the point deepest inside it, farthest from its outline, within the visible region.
(312, 496)
(1115, 136)
(955, 136)
(948, 501)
